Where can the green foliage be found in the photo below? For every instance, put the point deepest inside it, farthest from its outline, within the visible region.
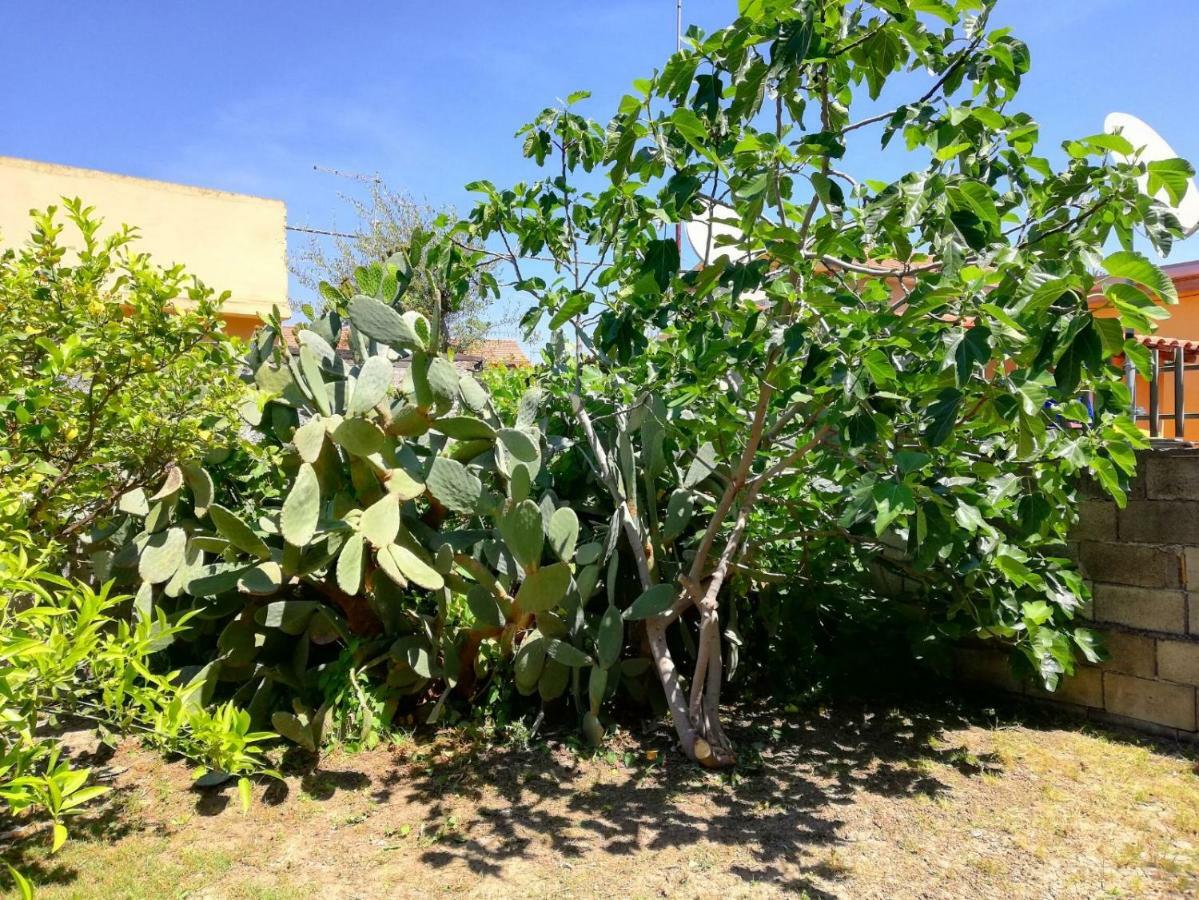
(67, 653)
(389, 222)
(415, 549)
(114, 369)
(880, 383)
(863, 416)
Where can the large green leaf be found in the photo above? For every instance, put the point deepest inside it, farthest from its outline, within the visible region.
(239, 534)
(545, 588)
(302, 508)
(372, 386)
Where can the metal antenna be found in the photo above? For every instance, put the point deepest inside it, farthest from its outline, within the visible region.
(678, 45)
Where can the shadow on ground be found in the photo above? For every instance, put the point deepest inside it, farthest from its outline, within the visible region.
(777, 806)
(781, 811)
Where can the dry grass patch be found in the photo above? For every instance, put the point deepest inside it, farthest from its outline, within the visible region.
(853, 801)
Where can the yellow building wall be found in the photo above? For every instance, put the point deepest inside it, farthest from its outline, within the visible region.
(231, 242)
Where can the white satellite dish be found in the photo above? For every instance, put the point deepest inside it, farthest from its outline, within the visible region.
(715, 234)
(1152, 147)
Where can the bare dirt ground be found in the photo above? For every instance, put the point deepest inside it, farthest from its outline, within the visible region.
(850, 801)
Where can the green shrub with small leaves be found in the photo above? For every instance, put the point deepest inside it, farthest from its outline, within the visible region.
(69, 654)
(115, 367)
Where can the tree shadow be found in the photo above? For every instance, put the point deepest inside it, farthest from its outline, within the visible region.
(778, 806)
(104, 821)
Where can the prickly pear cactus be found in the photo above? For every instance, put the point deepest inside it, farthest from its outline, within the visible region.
(416, 527)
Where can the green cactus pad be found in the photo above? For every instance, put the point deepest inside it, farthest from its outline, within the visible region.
(411, 567)
(553, 681)
(453, 485)
(301, 509)
(238, 533)
(592, 729)
(588, 553)
(381, 521)
(310, 368)
(382, 323)
(399, 483)
(563, 533)
(474, 395)
(529, 662)
(409, 421)
(519, 484)
(162, 555)
(349, 564)
(289, 616)
(609, 638)
(656, 599)
(524, 532)
(514, 447)
(597, 683)
(358, 436)
(464, 428)
(442, 379)
(678, 514)
(372, 386)
(262, 580)
(214, 579)
(544, 588)
(586, 580)
(568, 655)
(290, 727)
(309, 438)
(484, 606)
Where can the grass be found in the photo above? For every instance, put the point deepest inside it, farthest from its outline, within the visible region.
(854, 801)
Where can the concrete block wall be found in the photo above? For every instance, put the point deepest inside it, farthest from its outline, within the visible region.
(1142, 563)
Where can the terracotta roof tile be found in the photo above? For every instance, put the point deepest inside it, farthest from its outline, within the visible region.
(495, 352)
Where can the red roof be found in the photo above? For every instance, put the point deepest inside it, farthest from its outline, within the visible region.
(494, 352)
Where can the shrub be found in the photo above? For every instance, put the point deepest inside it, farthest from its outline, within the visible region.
(875, 394)
(114, 369)
(68, 652)
(418, 530)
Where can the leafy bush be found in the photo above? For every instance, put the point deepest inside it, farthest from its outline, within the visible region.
(67, 652)
(417, 528)
(867, 411)
(114, 369)
(878, 389)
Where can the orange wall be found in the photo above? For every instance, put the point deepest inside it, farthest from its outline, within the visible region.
(1183, 323)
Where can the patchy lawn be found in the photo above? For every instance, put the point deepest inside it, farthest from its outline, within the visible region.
(853, 801)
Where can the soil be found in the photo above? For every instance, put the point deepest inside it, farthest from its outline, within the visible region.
(855, 800)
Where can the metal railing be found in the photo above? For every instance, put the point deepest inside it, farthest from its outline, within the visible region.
(1170, 360)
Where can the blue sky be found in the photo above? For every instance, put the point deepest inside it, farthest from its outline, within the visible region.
(250, 96)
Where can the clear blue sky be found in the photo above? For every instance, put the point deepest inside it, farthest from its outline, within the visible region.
(249, 96)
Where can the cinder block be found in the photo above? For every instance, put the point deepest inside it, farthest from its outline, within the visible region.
(1083, 688)
(1191, 571)
(1171, 475)
(1159, 522)
(1178, 661)
(1096, 521)
(1142, 565)
(1132, 654)
(976, 665)
(1147, 608)
(1151, 701)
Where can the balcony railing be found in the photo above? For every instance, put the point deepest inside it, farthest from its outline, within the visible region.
(1164, 400)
